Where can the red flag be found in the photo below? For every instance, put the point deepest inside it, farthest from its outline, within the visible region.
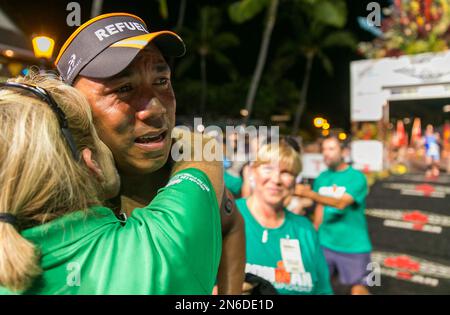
(416, 131)
(402, 137)
(446, 136)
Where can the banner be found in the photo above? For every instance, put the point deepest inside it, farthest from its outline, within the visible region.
(374, 82)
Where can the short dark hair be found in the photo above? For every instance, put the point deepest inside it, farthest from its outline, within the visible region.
(342, 143)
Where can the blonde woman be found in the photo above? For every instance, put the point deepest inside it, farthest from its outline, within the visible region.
(282, 247)
(55, 235)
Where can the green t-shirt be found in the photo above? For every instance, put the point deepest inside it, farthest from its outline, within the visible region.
(172, 246)
(233, 183)
(265, 254)
(344, 230)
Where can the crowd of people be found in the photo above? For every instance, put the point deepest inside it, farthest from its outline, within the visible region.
(275, 204)
(427, 152)
(93, 203)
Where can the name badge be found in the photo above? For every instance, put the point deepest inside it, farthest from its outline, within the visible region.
(291, 255)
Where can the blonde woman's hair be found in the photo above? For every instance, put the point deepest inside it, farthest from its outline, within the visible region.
(39, 178)
(280, 152)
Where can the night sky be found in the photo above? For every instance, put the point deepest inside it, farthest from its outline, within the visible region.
(328, 96)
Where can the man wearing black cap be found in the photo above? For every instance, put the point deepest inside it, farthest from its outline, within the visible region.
(119, 66)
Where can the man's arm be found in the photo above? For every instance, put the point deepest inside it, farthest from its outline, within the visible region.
(318, 216)
(232, 263)
(338, 203)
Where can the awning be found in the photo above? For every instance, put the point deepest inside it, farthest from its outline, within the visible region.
(13, 39)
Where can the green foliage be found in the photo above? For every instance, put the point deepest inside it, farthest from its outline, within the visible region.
(228, 99)
(245, 10)
(330, 12)
(207, 40)
(340, 39)
(318, 25)
(163, 10)
(316, 33)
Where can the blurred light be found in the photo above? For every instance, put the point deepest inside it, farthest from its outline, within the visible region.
(244, 112)
(15, 68)
(387, 11)
(318, 122)
(407, 121)
(43, 46)
(200, 128)
(325, 132)
(326, 126)
(446, 108)
(9, 53)
(342, 136)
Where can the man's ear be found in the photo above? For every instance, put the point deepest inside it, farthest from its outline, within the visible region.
(92, 164)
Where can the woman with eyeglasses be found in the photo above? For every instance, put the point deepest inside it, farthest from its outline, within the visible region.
(282, 247)
(56, 237)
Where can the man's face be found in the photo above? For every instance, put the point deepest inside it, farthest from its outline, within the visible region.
(332, 153)
(134, 112)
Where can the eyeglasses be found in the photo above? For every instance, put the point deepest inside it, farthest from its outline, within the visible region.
(46, 97)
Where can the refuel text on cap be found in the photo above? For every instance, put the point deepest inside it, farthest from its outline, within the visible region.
(112, 29)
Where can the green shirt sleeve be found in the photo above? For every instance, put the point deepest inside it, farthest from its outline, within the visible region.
(358, 188)
(175, 241)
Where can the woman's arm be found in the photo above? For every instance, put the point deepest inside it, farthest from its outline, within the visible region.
(232, 265)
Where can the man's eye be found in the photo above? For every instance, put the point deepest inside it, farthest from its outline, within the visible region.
(124, 89)
(161, 81)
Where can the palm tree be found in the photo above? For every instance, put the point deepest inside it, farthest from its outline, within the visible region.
(247, 9)
(181, 14)
(207, 43)
(319, 30)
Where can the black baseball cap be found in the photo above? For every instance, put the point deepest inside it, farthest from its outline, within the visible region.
(105, 45)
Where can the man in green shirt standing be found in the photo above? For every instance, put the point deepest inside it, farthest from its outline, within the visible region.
(340, 193)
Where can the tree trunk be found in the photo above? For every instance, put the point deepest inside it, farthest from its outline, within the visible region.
(178, 27)
(303, 93)
(181, 14)
(204, 83)
(270, 23)
(96, 8)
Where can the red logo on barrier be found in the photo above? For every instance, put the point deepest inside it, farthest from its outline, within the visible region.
(404, 275)
(426, 189)
(418, 218)
(405, 263)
